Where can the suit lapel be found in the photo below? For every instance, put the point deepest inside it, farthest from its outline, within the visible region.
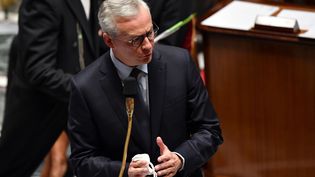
(157, 84)
(111, 84)
(78, 11)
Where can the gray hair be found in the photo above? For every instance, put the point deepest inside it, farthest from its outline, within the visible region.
(111, 9)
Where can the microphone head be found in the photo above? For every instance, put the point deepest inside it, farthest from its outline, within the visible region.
(130, 87)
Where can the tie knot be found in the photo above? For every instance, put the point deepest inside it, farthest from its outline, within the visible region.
(135, 72)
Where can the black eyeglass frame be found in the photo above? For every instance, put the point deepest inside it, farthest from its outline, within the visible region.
(137, 41)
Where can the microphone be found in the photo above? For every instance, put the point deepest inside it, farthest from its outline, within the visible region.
(129, 91)
(130, 87)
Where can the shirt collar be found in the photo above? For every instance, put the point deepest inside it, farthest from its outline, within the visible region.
(124, 70)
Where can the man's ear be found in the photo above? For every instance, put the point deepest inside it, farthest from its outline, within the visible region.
(108, 41)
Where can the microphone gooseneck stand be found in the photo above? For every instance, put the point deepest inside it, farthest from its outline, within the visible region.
(130, 90)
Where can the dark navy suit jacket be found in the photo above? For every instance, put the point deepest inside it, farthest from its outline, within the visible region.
(180, 112)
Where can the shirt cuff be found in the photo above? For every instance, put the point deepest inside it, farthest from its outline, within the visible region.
(183, 160)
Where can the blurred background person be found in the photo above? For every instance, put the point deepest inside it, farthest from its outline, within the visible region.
(56, 39)
(5, 5)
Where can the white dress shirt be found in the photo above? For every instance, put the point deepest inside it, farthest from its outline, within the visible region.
(86, 6)
(124, 71)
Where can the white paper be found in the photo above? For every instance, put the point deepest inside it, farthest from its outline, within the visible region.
(239, 15)
(306, 21)
(275, 21)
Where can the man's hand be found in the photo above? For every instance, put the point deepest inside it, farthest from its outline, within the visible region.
(169, 162)
(138, 168)
(100, 33)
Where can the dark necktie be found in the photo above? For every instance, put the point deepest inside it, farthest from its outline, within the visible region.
(141, 110)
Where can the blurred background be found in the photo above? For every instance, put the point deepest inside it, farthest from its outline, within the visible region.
(8, 28)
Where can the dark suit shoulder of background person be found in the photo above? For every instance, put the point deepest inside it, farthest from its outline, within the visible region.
(36, 111)
(166, 13)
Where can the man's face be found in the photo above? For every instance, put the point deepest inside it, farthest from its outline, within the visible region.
(134, 44)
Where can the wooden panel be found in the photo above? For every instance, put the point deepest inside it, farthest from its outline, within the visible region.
(264, 93)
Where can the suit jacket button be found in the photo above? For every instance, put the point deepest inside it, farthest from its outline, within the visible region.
(75, 44)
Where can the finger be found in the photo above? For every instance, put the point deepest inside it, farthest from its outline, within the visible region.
(137, 168)
(166, 172)
(165, 164)
(139, 164)
(164, 158)
(162, 146)
(137, 173)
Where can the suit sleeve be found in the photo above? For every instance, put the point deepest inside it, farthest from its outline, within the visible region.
(203, 124)
(39, 29)
(165, 14)
(87, 156)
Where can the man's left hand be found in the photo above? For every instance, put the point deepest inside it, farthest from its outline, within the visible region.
(169, 162)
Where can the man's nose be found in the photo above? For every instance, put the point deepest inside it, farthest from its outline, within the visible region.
(146, 44)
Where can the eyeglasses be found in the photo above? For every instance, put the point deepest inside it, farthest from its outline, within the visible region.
(137, 41)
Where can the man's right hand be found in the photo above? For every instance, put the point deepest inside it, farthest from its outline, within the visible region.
(138, 168)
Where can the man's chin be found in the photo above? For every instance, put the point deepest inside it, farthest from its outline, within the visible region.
(146, 60)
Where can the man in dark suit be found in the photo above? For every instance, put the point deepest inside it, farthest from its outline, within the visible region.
(56, 39)
(174, 121)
